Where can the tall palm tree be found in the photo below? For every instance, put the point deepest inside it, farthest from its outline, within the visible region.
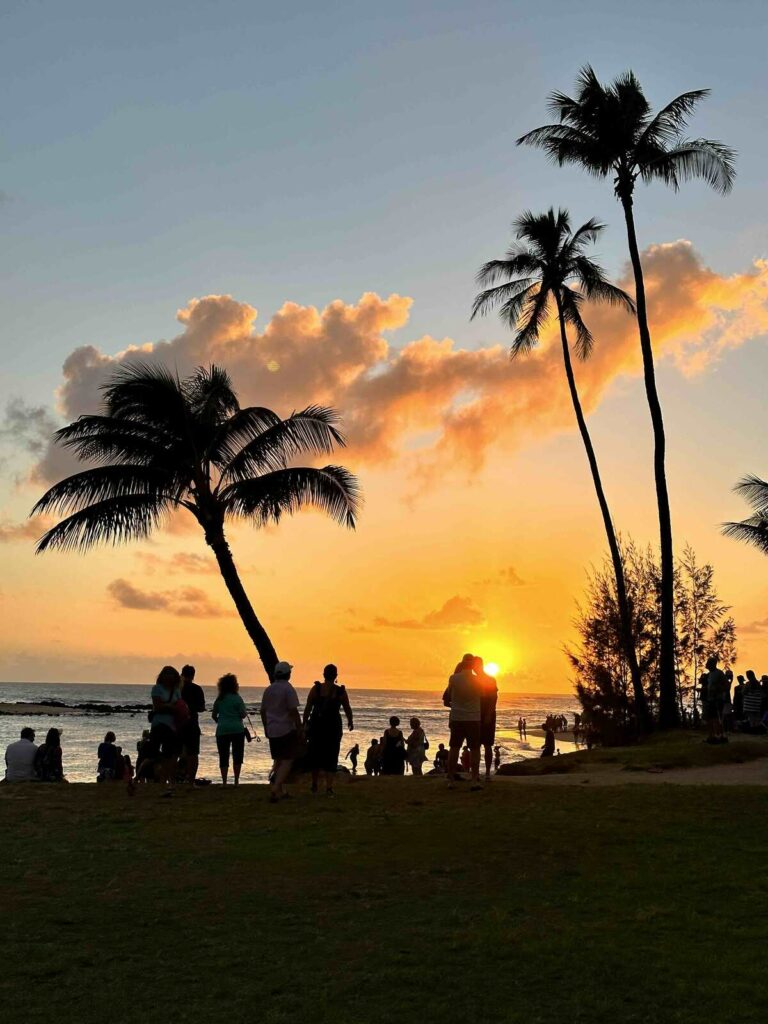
(611, 130)
(162, 443)
(755, 529)
(548, 265)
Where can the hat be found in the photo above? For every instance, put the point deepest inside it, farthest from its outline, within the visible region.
(282, 668)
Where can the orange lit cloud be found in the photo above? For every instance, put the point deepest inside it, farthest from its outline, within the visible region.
(27, 529)
(445, 404)
(456, 613)
(187, 602)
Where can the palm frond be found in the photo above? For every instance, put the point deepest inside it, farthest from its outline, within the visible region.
(211, 396)
(148, 393)
(707, 159)
(314, 430)
(668, 124)
(530, 322)
(754, 490)
(105, 483)
(115, 520)
(240, 429)
(571, 302)
(268, 498)
(113, 439)
(597, 288)
(517, 263)
(510, 296)
(752, 531)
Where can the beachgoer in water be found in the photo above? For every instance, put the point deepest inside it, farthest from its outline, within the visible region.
(193, 696)
(393, 749)
(416, 747)
(228, 713)
(548, 749)
(108, 761)
(463, 697)
(488, 700)
(372, 763)
(525, 728)
(352, 756)
(441, 758)
(48, 759)
(282, 726)
(164, 734)
(322, 720)
(20, 758)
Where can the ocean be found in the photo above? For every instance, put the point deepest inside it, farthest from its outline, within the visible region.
(84, 729)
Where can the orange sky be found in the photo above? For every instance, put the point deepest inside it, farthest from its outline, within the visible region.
(479, 517)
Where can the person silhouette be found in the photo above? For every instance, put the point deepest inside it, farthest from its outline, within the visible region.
(352, 756)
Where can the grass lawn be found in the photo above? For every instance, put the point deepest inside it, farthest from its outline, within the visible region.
(663, 750)
(398, 900)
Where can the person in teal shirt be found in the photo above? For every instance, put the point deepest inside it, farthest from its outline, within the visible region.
(228, 713)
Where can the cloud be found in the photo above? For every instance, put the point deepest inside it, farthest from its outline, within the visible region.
(180, 562)
(507, 577)
(187, 602)
(758, 626)
(27, 427)
(446, 404)
(29, 529)
(456, 613)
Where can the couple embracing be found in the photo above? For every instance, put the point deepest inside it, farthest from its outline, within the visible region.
(471, 695)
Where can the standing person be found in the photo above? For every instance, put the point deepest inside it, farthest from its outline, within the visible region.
(753, 699)
(20, 758)
(228, 713)
(193, 696)
(525, 728)
(416, 747)
(393, 749)
(322, 720)
(373, 758)
(108, 765)
(163, 735)
(462, 696)
(738, 699)
(727, 704)
(282, 726)
(352, 756)
(489, 698)
(716, 684)
(48, 759)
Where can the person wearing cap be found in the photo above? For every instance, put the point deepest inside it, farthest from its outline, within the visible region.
(282, 726)
(463, 696)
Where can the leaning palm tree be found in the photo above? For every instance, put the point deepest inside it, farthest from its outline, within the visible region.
(548, 265)
(161, 443)
(755, 529)
(610, 130)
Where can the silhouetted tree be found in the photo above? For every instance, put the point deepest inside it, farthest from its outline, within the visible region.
(548, 266)
(610, 130)
(753, 530)
(702, 628)
(162, 444)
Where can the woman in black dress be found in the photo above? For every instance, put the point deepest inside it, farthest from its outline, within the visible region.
(322, 720)
(393, 749)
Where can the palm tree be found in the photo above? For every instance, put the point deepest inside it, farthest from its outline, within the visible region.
(162, 444)
(547, 264)
(755, 529)
(611, 130)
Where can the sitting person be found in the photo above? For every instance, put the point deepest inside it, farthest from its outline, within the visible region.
(20, 758)
(548, 750)
(441, 758)
(108, 759)
(48, 761)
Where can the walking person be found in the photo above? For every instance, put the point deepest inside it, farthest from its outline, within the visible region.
(282, 727)
(393, 749)
(228, 713)
(463, 697)
(352, 756)
(163, 735)
(489, 698)
(417, 746)
(193, 696)
(322, 720)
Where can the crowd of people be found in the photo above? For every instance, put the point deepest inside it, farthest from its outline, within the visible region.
(728, 708)
(169, 750)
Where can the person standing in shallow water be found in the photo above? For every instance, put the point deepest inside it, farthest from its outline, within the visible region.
(228, 713)
(352, 756)
(322, 720)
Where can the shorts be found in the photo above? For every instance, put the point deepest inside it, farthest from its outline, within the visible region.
(164, 740)
(713, 710)
(190, 739)
(235, 740)
(465, 732)
(284, 748)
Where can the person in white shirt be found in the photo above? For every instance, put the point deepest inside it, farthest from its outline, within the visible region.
(20, 758)
(282, 726)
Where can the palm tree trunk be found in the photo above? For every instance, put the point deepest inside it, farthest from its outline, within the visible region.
(625, 617)
(668, 711)
(218, 543)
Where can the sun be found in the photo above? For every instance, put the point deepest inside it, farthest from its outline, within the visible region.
(492, 668)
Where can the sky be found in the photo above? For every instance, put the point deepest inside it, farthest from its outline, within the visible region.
(304, 193)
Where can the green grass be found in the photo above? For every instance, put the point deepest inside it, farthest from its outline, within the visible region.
(662, 751)
(397, 901)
